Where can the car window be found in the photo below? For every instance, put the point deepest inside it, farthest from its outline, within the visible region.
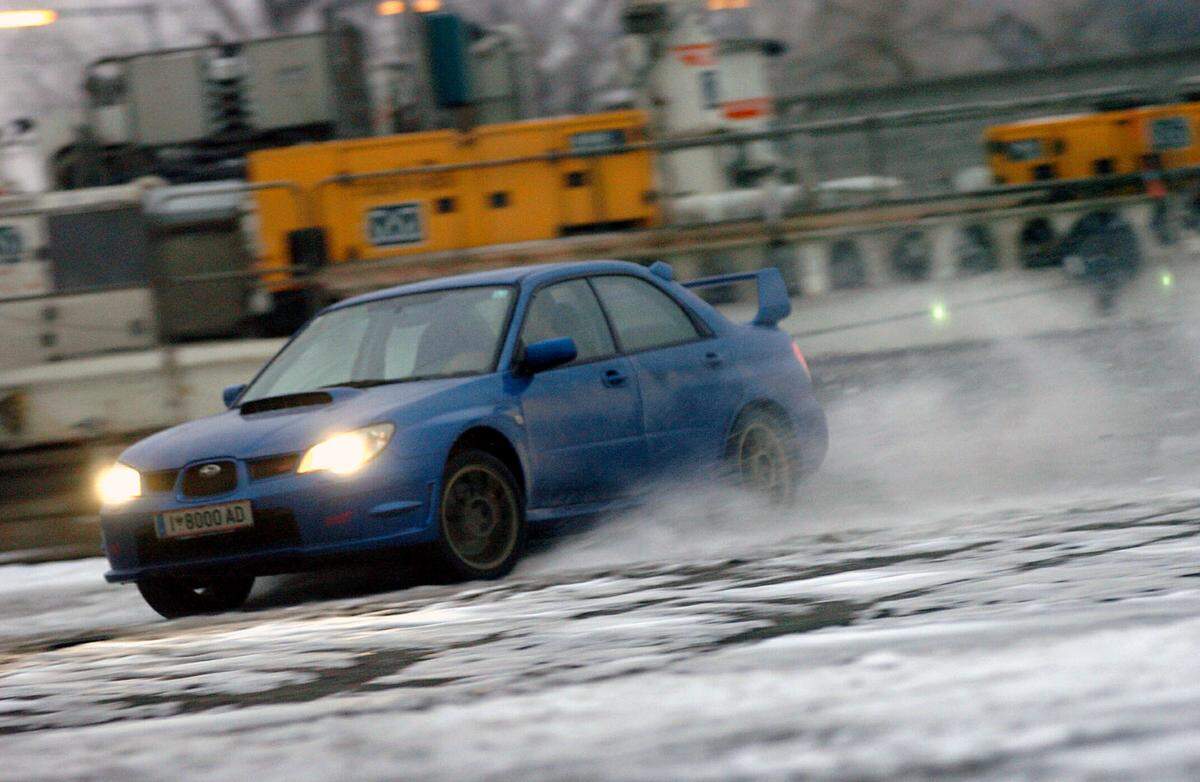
(643, 316)
(422, 336)
(569, 309)
(324, 353)
(448, 333)
(400, 350)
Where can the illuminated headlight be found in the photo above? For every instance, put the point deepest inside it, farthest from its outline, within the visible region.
(345, 453)
(118, 484)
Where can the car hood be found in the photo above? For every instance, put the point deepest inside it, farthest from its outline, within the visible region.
(233, 435)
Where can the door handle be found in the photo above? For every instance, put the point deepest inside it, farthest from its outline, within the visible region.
(713, 359)
(615, 378)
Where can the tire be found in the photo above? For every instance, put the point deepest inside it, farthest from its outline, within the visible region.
(481, 518)
(764, 457)
(178, 597)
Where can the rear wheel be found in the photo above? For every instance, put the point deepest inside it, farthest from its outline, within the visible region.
(764, 457)
(482, 517)
(175, 597)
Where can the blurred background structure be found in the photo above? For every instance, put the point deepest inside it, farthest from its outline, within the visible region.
(832, 44)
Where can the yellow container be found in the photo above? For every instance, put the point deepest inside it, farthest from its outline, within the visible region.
(612, 190)
(1090, 145)
(1071, 147)
(443, 190)
(1171, 132)
(514, 201)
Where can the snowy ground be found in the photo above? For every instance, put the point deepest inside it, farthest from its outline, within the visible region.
(997, 576)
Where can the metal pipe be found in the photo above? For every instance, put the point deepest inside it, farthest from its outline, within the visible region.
(297, 193)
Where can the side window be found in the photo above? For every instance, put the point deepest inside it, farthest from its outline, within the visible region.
(642, 315)
(569, 309)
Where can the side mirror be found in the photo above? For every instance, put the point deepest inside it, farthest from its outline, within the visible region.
(548, 354)
(230, 395)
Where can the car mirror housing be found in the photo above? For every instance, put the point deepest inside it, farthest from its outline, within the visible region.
(548, 354)
(230, 394)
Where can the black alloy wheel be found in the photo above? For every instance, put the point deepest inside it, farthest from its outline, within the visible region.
(764, 457)
(482, 517)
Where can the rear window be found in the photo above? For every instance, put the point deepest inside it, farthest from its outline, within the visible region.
(643, 316)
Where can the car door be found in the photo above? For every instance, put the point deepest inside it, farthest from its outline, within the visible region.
(583, 420)
(687, 384)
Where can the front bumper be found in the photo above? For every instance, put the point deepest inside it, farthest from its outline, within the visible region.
(297, 519)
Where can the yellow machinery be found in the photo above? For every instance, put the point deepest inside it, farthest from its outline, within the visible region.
(1081, 146)
(460, 190)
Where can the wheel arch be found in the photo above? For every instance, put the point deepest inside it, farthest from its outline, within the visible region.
(488, 439)
(757, 405)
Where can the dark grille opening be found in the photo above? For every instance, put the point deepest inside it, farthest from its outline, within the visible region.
(206, 480)
(273, 529)
(160, 481)
(272, 466)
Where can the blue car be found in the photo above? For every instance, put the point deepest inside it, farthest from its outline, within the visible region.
(456, 415)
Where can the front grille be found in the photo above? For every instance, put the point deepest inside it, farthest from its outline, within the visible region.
(211, 478)
(273, 528)
(160, 481)
(271, 466)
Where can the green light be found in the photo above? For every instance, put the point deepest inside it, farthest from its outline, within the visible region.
(938, 313)
(1167, 279)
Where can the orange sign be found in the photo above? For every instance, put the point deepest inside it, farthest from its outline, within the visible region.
(750, 108)
(702, 54)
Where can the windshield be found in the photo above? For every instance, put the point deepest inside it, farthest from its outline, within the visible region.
(448, 333)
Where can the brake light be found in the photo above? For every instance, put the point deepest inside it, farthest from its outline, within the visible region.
(800, 357)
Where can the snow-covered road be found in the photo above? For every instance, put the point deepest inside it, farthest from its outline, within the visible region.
(997, 576)
(1057, 643)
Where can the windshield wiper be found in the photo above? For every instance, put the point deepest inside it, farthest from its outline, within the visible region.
(362, 383)
(396, 381)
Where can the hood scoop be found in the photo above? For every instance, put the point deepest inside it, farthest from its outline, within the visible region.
(286, 402)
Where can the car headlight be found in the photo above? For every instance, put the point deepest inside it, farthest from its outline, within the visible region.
(345, 453)
(118, 484)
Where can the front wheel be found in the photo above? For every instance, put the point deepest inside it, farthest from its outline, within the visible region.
(764, 457)
(174, 597)
(481, 518)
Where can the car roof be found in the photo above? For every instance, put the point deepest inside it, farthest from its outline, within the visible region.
(517, 275)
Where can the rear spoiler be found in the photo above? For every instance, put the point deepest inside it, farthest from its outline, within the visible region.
(773, 302)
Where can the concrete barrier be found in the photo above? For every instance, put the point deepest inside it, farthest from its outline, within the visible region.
(113, 396)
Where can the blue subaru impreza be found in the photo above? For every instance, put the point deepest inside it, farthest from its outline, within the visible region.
(455, 415)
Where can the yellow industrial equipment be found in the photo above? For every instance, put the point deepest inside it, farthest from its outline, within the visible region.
(1104, 143)
(445, 190)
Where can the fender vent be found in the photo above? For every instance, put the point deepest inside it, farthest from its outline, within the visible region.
(160, 481)
(271, 466)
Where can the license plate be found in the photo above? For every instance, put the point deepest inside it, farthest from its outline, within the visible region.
(209, 520)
